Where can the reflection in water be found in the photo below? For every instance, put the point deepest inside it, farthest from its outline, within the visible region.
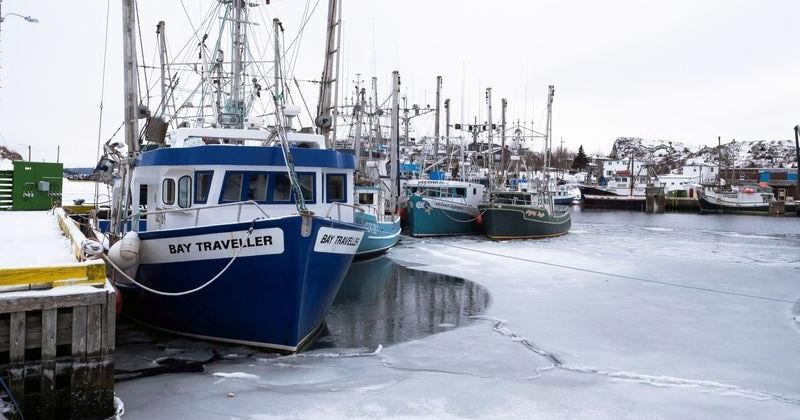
(381, 302)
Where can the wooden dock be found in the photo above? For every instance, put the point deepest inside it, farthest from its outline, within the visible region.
(57, 335)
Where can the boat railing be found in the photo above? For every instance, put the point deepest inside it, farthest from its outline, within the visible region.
(161, 213)
(364, 209)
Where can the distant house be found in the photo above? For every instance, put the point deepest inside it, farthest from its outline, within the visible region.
(782, 181)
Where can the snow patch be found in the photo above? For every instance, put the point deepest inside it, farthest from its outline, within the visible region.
(119, 407)
(235, 375)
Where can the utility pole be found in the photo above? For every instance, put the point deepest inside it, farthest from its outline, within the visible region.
(395, 140)
(58, 154)
(29, 153)
(436, 118)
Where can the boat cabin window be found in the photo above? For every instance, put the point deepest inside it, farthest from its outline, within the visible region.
(185, 191)
(232, 189)
(265, 187)
(366, 198)
(306, 186)
(335, 186)
(168, 191)
(282, 190)
(257, 187)
(202, 185)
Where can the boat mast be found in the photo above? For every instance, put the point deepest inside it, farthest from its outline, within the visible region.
(551, 91)
(326, 108)
(503, 108)
(395, 140)
(360, 106)
(490, 131)
(447, 124)
(437, 117)
(376, 111)
(797, 152)
(130, 72)
(719, 161)
(276, 27)
(238, 45)
(162, 58)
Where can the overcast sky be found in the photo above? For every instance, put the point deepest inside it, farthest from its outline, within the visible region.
(684, 70)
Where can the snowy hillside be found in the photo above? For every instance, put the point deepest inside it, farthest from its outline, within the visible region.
(669, 155)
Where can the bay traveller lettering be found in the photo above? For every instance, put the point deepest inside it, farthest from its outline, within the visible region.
(219, 245)
(340, 240)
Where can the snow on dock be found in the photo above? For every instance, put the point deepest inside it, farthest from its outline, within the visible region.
(32, 238)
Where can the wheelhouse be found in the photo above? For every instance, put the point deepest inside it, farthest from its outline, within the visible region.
(224, 178)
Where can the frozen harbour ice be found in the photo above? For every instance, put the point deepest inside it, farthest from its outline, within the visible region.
(698, 320)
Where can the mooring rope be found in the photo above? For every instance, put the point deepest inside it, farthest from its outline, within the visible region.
(187, 292)
(622, 276)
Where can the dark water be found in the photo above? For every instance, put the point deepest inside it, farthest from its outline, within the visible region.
(380, 302)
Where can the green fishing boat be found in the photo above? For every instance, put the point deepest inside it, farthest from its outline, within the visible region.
(523, 215)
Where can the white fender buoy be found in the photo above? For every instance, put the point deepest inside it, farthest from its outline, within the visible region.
(125, 253)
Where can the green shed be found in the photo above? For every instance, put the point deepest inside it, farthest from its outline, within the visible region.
(36, 185)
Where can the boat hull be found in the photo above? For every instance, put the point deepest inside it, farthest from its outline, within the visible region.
(431, 217)
(503, 221)
(599, 198)
(711, 206)
(379, 237)
(276, 293)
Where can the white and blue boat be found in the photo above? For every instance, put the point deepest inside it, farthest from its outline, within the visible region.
(230, 211)
(383, 229)
(249, 228)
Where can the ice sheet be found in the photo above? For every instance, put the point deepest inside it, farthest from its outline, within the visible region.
(716, 337)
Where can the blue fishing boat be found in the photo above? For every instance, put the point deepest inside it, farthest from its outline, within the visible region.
(443, 207)
(228, 214)
(241, 242)
(383, 229)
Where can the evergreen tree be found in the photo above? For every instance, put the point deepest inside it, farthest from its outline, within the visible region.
(581, 160)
